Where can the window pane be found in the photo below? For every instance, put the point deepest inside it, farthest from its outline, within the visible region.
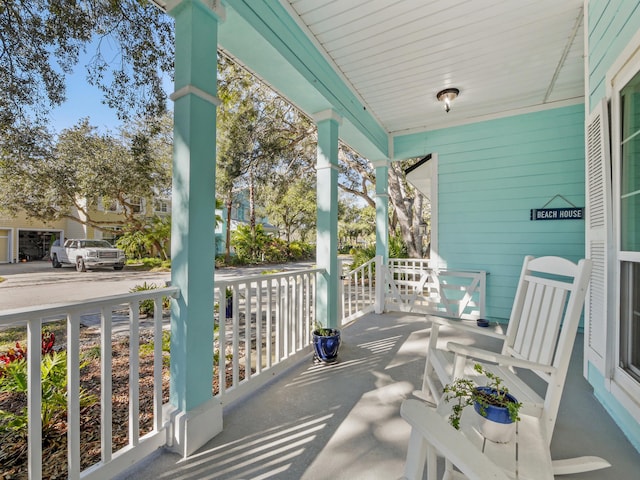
(630, 318)
(630, 166)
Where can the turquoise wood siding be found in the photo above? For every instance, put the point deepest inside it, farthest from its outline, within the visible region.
(490, 175)
(611, 27)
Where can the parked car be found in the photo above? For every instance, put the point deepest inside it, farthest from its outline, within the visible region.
(85, 253)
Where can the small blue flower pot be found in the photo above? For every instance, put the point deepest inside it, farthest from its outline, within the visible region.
(495, 413)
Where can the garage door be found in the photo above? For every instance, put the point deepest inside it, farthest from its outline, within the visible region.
(5, 254)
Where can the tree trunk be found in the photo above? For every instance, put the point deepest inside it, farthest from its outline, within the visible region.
(403, 208)
(227, 253)
(252, 203)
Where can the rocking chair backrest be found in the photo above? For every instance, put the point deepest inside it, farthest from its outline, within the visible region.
(545, 316)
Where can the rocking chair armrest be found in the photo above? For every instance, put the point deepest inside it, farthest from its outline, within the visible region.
(504, 360)
(465, 326)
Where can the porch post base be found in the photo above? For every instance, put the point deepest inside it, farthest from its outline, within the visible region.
(191, 430)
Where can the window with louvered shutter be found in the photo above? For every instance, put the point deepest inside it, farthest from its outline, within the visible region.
(598, 233)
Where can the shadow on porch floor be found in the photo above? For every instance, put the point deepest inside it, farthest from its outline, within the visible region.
(343, 422)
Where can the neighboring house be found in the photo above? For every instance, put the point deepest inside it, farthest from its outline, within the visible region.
(24, 239)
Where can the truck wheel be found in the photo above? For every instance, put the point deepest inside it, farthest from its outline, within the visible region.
(80, 266)
(54, 261)
(118, 267)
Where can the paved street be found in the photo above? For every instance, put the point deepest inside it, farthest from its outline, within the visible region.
(37, 283)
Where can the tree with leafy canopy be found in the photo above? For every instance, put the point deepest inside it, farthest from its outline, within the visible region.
(291, 206)
(260, 135)
(408, 211)
(355, 222)
(132, 48)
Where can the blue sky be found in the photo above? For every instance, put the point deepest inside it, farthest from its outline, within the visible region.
(84, 100)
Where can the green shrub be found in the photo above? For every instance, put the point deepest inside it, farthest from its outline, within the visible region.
(301, 250)
(147, 306)
(53, 369)
(147, 348)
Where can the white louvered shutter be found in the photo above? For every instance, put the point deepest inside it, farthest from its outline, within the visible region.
(598, 233)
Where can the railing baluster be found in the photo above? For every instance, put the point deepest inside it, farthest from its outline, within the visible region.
(157, 364)
(134, 373)
(278, 303)
(247, 332)
(259, 333)
(269, 318)
(106, 385)
(235, 336)
(222, 340)
(34, 398)
(73, 395)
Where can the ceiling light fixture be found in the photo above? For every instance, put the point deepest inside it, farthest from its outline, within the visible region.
(447, 96)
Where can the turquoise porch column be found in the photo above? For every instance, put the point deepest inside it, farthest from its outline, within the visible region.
(382, 209)
(382, 230)
(328, 122)
(196, 416)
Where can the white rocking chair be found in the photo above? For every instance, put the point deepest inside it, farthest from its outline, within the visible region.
(539, 338)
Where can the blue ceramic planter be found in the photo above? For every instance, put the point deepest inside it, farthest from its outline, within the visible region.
(326, 346)
(492, 412)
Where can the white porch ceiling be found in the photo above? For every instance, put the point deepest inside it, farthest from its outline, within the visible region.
(505, 56)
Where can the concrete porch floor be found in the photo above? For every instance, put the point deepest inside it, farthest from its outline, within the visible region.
(343, 421)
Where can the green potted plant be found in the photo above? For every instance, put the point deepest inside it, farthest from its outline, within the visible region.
(493, 402)
(326, 342)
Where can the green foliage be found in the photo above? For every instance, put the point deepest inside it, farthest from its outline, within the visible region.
(301, 251)
(147, 306)
(147, 348)
(92, 353)
(464, 393)
(362, 255)
(135, 245)
(291, 205)
(274, 251)
(108, 170)
(356, 223)
(151, 263)
(397, 247)
(248, 245)
(54, 392)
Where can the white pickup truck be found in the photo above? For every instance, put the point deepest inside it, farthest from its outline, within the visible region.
(85, 253)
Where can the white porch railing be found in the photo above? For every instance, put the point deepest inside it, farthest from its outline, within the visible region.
(138, 445)
(357, 291)
(267, 327)
(269, 320)
(414, 286)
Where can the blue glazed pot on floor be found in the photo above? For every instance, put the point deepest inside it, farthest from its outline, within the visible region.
(326, 346)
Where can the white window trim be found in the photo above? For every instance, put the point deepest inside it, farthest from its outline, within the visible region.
(621, 385)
